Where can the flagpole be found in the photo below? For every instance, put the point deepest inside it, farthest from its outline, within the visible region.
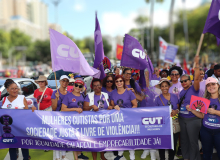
(199, 47)
(56, 83)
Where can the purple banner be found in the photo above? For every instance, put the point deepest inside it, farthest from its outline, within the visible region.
(171, 53)
(107, 130)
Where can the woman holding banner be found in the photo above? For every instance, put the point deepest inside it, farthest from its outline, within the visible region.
(123, 98)
(190, 120)
(96, 101)
(210, 130)
(57, 98)
(166, 99)
(14, 101)
(74, 102)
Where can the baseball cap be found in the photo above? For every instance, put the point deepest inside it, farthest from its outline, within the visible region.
(211, 80)
(63, 77)
(77, 76)
(79, 81)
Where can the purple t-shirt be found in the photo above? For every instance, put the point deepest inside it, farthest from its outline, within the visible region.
(173, 101)
(154, 77)
(61, 98)
(99, 101)
(137, 87)
(183, 111)
(212, 121)
(72, 101)
(123, 100)
(106, 91)
(202, 89)
(176, 89)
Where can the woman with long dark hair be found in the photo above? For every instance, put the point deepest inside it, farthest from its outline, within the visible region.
(121, 97)
(108, 84)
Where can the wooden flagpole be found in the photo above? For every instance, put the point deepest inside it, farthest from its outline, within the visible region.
(199, 47)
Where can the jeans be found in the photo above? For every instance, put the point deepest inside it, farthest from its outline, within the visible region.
(210, 138)
(171, 152)
(13, 154)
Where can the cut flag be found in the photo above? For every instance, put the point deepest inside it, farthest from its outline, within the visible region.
(212, 24)
(66, 55)
(99, 51)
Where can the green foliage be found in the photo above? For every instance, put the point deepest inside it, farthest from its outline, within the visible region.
(4, 42)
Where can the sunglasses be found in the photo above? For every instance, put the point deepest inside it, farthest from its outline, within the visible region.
(128, 73)
(80, 86)
(163, 73)
(71, 84)
(109, 81)
(119, 81)
(65, 80)
(175, 74)
(41, 81)
(184, 81)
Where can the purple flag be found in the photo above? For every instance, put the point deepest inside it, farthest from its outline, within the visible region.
(134, 56)
(212, 24)
(99, 52)
(218, 41)
(66, 55)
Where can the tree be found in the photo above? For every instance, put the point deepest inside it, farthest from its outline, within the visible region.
(4, 43)
(141, 21)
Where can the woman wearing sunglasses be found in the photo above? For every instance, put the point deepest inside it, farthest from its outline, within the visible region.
(96, 101)
(108, 84)
(166, 99)
(132, 85)
(123, 98)
(175, 73)
(15, 101)
(156, 75)
(190, 120)
(74, 102)
(210, 130)
(57, 98)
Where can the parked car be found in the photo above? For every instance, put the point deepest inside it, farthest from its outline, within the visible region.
(52, 82)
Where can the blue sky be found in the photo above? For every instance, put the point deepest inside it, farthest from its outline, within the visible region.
(116, 17)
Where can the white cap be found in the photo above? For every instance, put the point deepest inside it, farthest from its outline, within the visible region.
(72, 80)
(63, 77)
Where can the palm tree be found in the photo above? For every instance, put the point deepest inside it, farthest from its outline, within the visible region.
(141, 21)
(152, 21)
(171, 22)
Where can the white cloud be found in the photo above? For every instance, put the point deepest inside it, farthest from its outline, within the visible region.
(79, 5)
(114, 23)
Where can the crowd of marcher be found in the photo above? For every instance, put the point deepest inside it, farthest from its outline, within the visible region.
(121, 89)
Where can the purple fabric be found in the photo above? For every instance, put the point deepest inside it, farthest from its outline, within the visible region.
(99, 51)
(105, 90)
(154, 77)
(98, 101)
(212, 121)
(61, 98)
(66, 55)
(202, 89)
(176, 89)
(123, 100)
(134, 56)
(106, 130)
(137, 87)
(72, 101)
(171, 52)
(183, 111)
(218, 41)
(212, 23)
(150, 97)
(173, 101)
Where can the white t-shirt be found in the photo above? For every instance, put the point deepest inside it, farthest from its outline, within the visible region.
(18, 103)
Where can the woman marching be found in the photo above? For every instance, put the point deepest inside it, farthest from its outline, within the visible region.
(74, 102)
(165, 99)
(15, 101)
(96, 101)
(190, 120)
(57, 98)
(123, 98)
(108, 84)
(210, 131)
